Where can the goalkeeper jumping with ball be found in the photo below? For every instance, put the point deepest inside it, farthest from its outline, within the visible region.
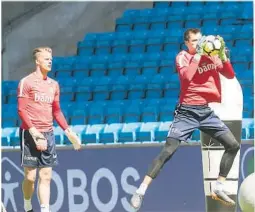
(200, 85)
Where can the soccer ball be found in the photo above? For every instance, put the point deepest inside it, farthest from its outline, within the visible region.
(212, 45)
(246, 195)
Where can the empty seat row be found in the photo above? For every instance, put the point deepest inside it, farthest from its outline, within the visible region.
(245, 9)
(180, 21)
(175, 34)
(119, 132)
(178, 4)
(244, 70)
(153, 45)
(140, 57)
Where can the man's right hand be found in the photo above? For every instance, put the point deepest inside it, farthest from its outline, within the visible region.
(200, 45)
(39, 139)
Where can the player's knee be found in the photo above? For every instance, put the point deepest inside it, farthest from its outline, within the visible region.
(234, 147)
(170, 147)
(30, 177)
(45, 175)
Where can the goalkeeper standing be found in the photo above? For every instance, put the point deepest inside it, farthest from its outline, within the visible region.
(38, 105)
(200, 85)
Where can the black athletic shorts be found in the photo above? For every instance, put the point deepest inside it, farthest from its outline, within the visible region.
(189, 118)
(31, 157)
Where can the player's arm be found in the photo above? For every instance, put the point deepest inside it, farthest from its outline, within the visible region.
(23, 101)
(185, 68)
(60, 119)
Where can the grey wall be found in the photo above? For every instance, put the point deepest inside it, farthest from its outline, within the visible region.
(59, 26)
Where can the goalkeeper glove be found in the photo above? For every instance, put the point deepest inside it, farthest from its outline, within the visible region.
(74, 139)
(222, 52)
(39, 139)
(200, 45)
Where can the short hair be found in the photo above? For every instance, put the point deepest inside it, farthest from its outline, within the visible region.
(191, 30)
(41, 49)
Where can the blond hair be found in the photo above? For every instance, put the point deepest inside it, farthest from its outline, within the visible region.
(39, 50)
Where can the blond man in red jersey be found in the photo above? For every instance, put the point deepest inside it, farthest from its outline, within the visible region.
(38, 105)
(200, 85)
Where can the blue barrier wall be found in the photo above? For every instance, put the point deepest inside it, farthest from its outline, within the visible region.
(103, 180)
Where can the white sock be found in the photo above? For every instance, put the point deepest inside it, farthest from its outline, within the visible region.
(142, 189)
(45, 208)
(27, 204)
(219, 185)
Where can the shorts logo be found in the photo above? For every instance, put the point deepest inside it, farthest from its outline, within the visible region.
(43, 98)
(175, 131)
(30, 158)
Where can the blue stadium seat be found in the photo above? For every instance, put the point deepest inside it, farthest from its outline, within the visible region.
(154, 91)
(132, 114)
(150, 67)
(85, 48)
(81, 70)
(113, 115)
(59, 135)
(119, 49)
(83, 93)
(67, 94)
(166, 113)
(132, 69)
(127, 133)
(97, 70)
(137, 46)
(110, 134)
(136, 91)
(115, 69)
(149, 127)
(171, 47)
(5, 141)
(12, 95)
(161, 132)
(240, 43)
(92, 133)
(142, 79)
(149, 114)
(171, 90)
(78, 117)
(155, 47)
(102, 50)
(101, 92)
(96, 115)
(118, 92)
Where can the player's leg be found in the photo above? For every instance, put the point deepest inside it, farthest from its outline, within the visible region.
(214, 127)
(47, 160)
(28, 187)
(181, 129)
(45, 175)
(231, 148)
(29, 160)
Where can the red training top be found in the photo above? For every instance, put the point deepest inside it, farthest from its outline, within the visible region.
(38, 103)
(200, 81)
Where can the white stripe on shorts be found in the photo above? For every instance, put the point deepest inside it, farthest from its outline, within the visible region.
(23, 145)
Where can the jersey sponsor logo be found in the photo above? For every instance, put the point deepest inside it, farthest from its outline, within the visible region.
(206, 67)
(43, 98)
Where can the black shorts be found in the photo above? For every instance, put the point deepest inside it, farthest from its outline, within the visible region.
(31, 157)
(188, 118)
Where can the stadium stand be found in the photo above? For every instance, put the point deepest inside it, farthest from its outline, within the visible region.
(122, 86)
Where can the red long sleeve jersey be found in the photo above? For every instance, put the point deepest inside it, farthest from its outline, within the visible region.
(38, 103)
(200, 81)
